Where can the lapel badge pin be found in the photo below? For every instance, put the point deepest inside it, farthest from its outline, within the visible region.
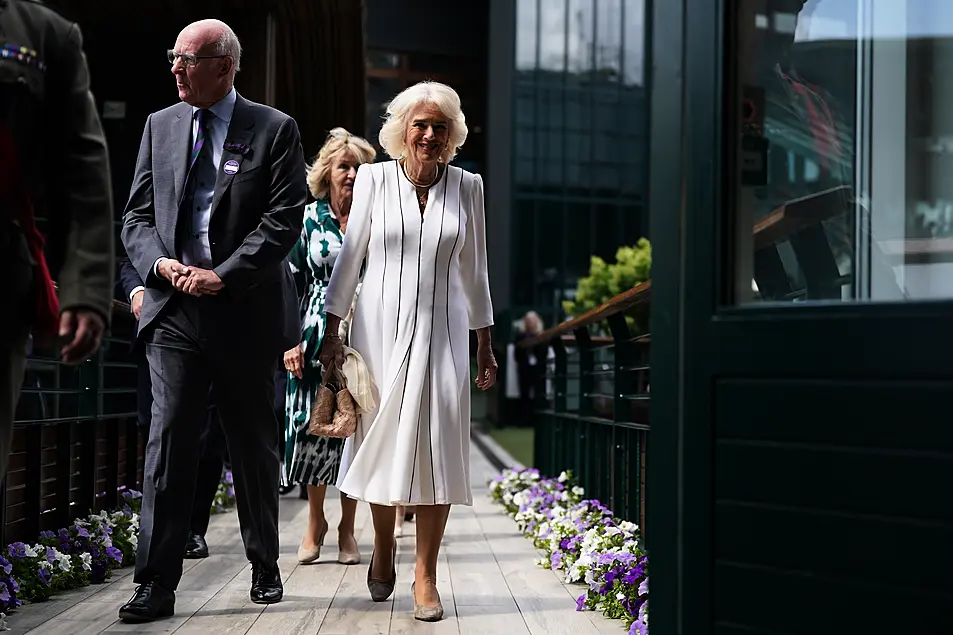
(231, 167)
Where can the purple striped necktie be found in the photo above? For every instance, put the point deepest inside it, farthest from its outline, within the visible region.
(203, 116)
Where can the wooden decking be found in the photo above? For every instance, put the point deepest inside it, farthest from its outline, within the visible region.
(488, 581)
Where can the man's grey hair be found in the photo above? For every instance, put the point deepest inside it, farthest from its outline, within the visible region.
(229, 45)
(227, 42)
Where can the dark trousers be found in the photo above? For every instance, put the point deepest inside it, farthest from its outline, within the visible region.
(212, 450)
(191, 351)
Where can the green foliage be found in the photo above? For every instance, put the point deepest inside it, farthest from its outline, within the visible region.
(632, 267)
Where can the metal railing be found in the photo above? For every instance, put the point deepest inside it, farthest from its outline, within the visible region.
(592, 404)
(75, 438)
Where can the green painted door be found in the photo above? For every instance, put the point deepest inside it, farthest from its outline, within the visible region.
(802, 224)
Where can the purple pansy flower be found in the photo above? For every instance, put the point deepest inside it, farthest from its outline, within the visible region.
(115, 554)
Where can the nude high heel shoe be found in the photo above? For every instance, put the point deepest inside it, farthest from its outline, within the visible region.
(349, 557)
(426, 613)
(309, 556)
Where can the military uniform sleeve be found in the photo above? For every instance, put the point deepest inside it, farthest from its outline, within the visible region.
(85, 211)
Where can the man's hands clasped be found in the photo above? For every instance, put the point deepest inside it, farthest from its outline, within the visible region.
(191, 280)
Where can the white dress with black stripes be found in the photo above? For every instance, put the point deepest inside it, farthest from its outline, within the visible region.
(425, 286)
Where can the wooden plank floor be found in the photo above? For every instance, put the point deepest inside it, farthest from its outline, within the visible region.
(487, 579)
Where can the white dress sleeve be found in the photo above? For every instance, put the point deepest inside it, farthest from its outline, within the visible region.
(347, 267)
(473, 267)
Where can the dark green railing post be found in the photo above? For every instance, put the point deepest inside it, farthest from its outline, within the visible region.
(582, 443)
(88, 407)
(111, 425)
(32, 492)
(548, 427)
(64, 474)
(623, 386)
(132, 453)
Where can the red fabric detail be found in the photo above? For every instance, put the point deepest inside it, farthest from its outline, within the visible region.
(822, 125)
(18, 205)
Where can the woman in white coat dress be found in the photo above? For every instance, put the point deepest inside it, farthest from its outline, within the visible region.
(417, 224)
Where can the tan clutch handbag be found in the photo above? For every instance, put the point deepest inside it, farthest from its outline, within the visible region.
(333, 413)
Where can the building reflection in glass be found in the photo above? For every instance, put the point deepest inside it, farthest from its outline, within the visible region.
(579, 143)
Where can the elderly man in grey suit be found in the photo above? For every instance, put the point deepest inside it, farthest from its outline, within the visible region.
(216, 204)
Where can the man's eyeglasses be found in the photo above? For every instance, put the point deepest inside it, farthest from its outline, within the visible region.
(191, 60)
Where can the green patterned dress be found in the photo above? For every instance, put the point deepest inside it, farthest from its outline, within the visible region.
(309, 459)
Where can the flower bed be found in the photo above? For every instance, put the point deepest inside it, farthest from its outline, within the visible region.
(225, 496)
(84, 553)
(582, 540)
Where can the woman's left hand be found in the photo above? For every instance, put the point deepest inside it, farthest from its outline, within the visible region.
(486, 367)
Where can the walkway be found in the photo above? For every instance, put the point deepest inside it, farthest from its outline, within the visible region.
(488, 578)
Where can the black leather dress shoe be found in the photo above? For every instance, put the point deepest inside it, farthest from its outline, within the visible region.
(196, 547)
(150, 602)
(265, 584)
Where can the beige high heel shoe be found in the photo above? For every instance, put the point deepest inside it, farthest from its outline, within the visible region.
(427, 613)
(349, 557)
(309, 556)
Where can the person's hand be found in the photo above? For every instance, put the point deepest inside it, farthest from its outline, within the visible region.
(172, 270)
(82, 330)
(136, 303)
(486, 367)
(294, 361)
(332, 351)
(199, 282)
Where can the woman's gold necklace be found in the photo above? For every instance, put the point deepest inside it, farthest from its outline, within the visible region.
(422, 196)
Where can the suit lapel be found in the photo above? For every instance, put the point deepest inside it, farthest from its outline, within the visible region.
(241, 131)
(181, 148)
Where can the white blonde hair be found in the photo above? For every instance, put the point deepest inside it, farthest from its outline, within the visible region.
(339, 140)
(531, 320)
(393, 136)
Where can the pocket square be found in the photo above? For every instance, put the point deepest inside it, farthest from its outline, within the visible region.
(237, 148)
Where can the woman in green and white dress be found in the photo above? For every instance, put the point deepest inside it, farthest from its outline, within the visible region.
(313, 460)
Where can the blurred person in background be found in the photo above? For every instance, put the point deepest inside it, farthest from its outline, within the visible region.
(529, 368)
(312, 460)
(53, 165)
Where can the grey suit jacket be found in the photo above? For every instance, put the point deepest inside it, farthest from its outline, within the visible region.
(256, 215)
